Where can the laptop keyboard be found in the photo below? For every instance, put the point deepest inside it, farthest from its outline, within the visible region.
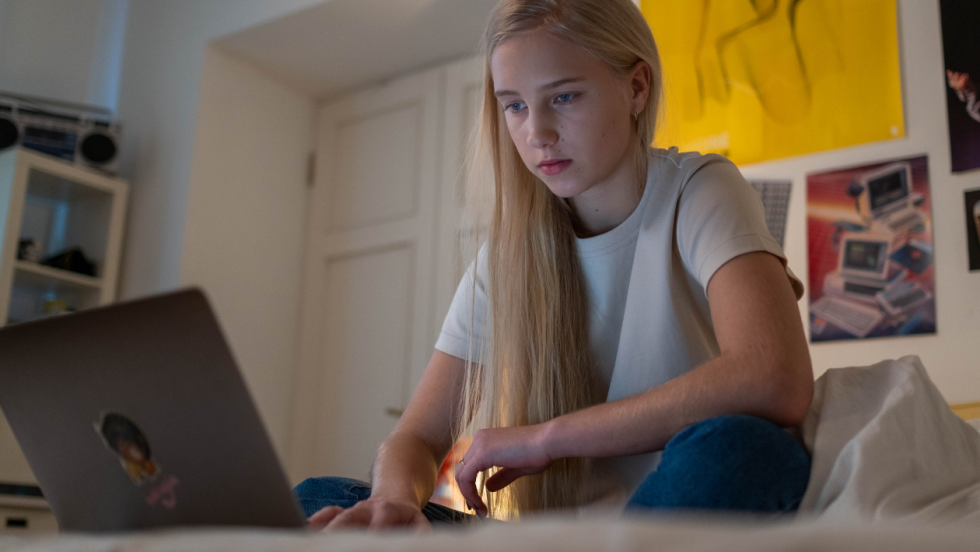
(856, 319)
(908, 220)
(905, 295)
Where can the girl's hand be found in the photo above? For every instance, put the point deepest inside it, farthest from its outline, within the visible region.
(371, 513)
(518, 451)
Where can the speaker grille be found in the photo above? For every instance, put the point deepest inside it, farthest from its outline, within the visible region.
(98, 148)
(8, 133)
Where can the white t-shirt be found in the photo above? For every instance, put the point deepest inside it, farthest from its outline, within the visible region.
(606, 261)
(698, 213)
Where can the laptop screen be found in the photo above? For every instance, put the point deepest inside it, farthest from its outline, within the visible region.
(888, 188)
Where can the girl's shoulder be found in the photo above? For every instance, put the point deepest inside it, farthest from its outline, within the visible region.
(679, 172)
(688, 161)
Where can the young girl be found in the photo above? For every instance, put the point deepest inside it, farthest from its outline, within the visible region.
(629, 300)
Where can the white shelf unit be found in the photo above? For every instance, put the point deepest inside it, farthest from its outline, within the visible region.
(61, 206)
(25, 515)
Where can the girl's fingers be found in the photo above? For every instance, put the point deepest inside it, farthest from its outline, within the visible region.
(351, 516)
(466, 481)
(502, 478)
(324, 516)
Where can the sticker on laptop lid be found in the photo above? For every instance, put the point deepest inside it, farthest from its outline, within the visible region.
(163, 492)
(125, 439)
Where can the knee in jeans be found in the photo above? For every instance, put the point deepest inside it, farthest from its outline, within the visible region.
(731, 462)
(731, 442)
(333, 488)
(726, 432)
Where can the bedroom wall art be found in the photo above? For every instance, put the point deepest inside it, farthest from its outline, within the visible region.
(757, 80)
(869, 236)
(775, 201)
(961, 55)
(971, 199)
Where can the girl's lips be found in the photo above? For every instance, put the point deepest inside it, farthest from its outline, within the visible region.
(552, 168)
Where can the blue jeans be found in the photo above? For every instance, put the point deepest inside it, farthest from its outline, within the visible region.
(731, 462)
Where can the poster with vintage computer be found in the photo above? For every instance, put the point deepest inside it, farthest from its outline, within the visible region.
(961, 76)
(971, 198)
(869, 234)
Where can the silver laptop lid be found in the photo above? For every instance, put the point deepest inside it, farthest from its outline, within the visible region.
(135, 416)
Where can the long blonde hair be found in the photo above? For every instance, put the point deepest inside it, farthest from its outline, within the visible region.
(535, 362)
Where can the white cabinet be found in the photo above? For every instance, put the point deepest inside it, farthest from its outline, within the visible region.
(22, 515)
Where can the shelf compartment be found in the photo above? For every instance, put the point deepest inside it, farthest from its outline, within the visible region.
(34, 285)
(45, 279)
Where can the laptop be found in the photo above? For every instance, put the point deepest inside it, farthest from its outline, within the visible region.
(888, 197)
(135, 416)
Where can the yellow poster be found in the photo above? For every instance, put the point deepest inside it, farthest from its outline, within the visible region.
(764, 79)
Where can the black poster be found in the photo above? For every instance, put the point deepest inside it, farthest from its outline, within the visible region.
(961, 52)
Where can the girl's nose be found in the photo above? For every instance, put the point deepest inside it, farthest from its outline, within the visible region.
(541, 132)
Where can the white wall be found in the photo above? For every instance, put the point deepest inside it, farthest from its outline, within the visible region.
(245, 223)
(65, 50)
(158, 102)
(950, 356)
(159, 98)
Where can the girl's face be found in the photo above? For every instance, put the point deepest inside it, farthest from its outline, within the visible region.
(568, 113)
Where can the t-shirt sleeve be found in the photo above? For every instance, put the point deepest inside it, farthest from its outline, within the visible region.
(719, 217)
(466, 311)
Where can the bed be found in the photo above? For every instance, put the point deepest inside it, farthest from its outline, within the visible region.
(566, 535)
(893, 469)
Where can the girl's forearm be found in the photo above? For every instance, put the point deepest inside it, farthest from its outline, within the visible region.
(645, 422)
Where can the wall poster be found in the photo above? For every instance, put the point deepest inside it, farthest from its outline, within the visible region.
(961, 54)
(972, 200)
(757, 80)
(869, 235)
(775, 201)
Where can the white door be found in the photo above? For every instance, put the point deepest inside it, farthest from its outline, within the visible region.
(369, 287)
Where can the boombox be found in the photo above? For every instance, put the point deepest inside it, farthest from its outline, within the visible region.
(79, 134)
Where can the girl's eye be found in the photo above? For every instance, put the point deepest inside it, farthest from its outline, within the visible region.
(564, 98)
(515, 107)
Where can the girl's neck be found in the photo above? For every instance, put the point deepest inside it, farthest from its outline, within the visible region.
(608, 203)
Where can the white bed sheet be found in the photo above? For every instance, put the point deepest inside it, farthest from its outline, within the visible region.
(565, 535)
(885, 445)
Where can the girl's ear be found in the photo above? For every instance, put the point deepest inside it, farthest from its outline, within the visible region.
(639, 81)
